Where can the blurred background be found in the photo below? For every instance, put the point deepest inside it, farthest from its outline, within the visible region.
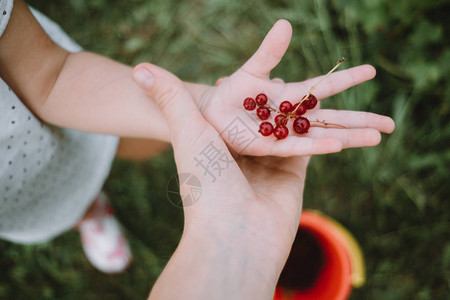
(395, 198)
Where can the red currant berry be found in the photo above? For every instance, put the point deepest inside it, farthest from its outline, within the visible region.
(310, 102)
(301, 125)
(280, 132)
(285, 107)
(265, 128)
(261, 99)
(263, 112)
(300, 111)
(249, 104)
(280, 120)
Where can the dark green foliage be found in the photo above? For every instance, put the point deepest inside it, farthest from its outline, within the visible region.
(393, 197)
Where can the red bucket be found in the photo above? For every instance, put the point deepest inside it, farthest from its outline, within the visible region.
(340, 254)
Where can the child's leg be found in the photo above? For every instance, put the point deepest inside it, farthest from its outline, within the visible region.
(91, 212)
(140, 149)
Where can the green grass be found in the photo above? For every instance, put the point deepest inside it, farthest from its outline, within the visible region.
(393, 197)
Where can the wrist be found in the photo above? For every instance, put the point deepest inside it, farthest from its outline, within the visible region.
(230, 265)
(247, 251)
(198, 91)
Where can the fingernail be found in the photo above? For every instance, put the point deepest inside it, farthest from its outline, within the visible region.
(144, 78)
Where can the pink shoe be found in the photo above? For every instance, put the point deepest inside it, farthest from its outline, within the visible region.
(103, 241)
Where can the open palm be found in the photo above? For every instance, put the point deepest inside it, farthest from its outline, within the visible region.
(222, 106)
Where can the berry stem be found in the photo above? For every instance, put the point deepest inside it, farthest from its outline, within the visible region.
(273, 109)
(326, 75)
(315, 85)
(328, 124)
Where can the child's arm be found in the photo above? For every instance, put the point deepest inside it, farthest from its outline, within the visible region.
(82, 90)
(92, 93)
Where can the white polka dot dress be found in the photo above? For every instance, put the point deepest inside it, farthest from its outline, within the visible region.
(48, 175)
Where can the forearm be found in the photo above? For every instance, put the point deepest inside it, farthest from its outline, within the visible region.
(93, 93)
(77, 90)
(219, 264)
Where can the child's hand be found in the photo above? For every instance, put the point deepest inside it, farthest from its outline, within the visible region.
(222, 106)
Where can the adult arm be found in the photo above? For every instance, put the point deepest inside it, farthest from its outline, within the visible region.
(239, 230)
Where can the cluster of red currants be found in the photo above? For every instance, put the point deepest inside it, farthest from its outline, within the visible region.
(286, 111)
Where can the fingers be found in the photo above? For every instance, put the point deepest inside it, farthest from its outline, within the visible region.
(305, 146)
(334, 84)
(317, 141)
(354, 119)
(350, 138)
(278, 80)
(321, 141)
(296, 146)
(270, 51)
(219, 81)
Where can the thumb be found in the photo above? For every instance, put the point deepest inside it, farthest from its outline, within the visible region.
(190, 133)
(171, 95)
